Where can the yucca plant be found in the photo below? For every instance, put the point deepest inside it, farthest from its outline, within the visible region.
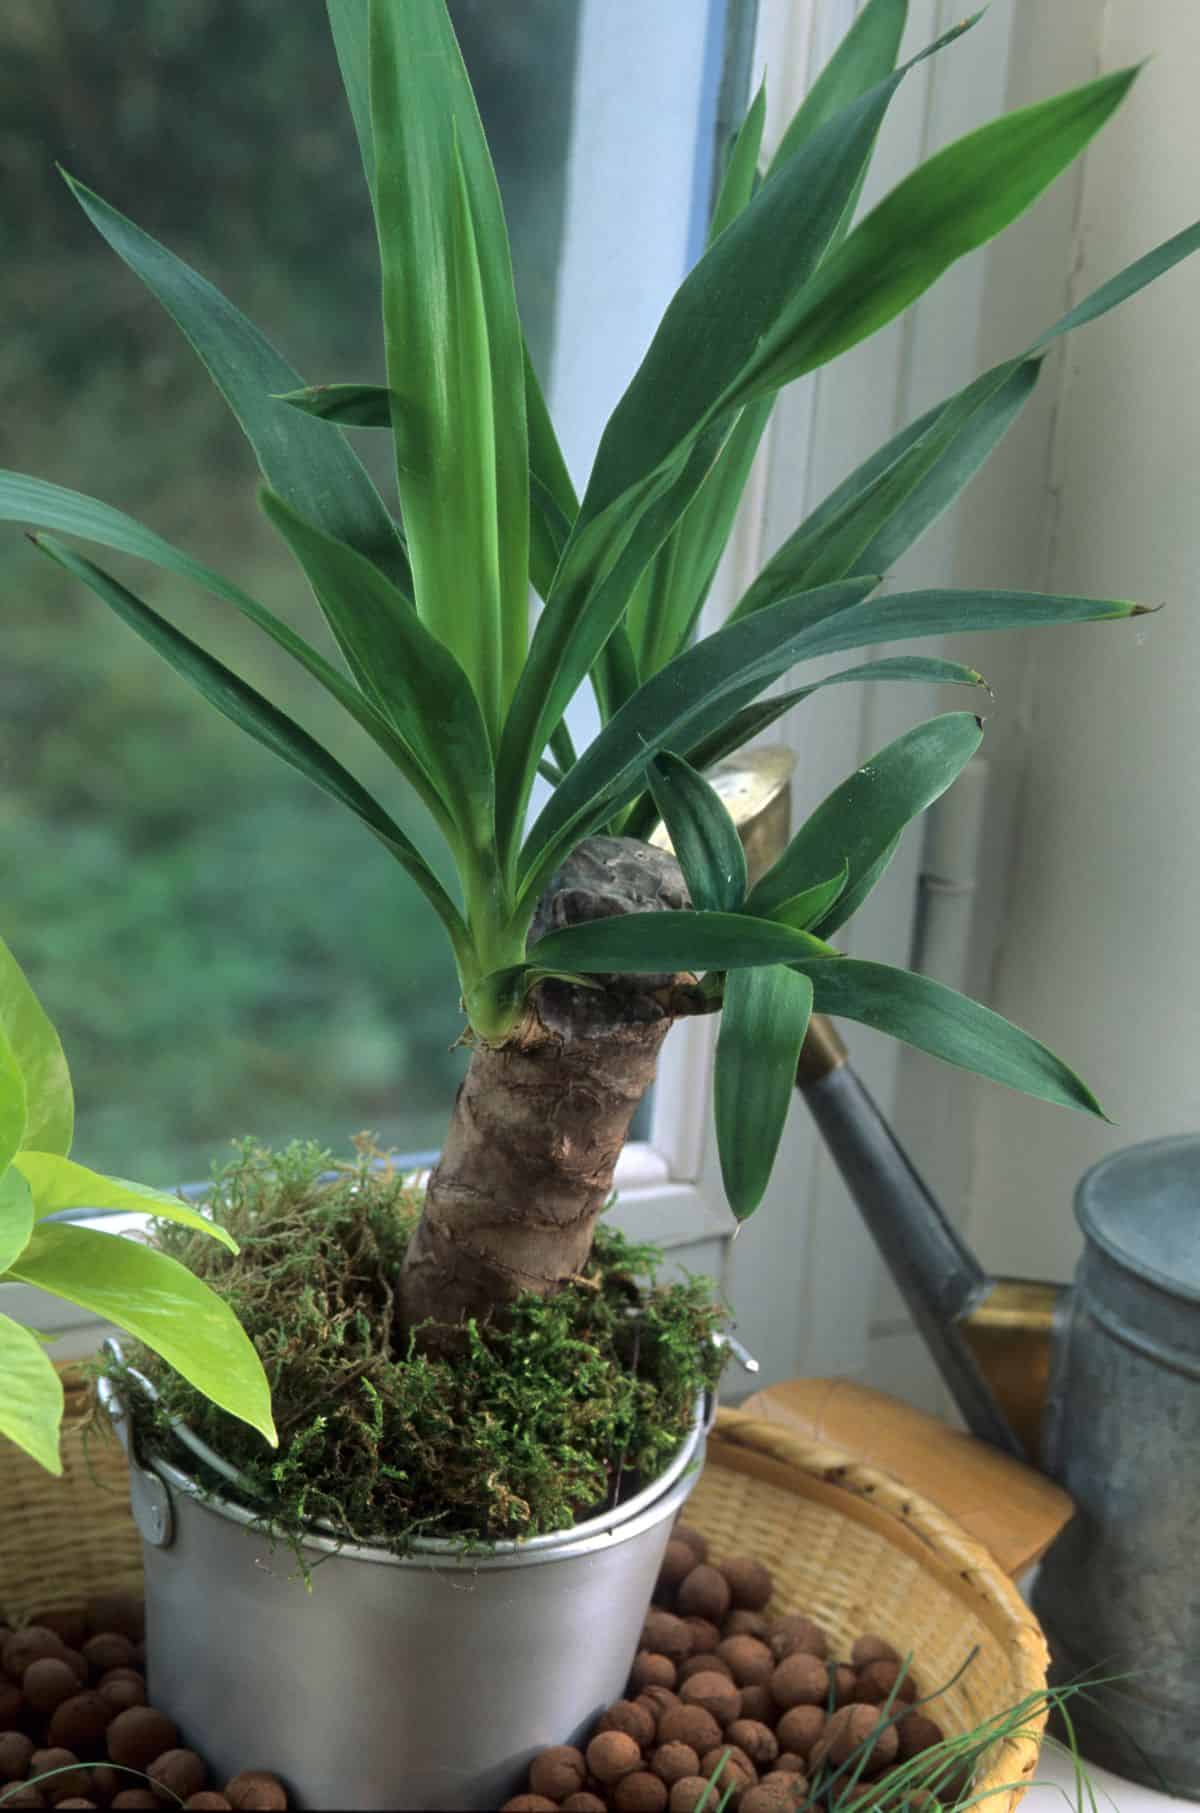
(576, 944)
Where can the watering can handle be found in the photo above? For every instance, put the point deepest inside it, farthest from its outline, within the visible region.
(936, 1273)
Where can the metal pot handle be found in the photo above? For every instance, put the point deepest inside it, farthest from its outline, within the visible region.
(149, 1497)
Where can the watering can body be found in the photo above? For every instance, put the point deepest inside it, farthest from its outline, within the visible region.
(1097, 1384)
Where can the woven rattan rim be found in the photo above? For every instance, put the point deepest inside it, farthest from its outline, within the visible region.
(913, 1523)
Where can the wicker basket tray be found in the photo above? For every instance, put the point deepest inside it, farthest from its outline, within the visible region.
(857, 1551)
(846, 1543)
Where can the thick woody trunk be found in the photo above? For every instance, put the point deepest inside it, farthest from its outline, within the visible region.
(539, 1122)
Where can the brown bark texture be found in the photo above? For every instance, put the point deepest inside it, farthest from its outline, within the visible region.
(539, 1121)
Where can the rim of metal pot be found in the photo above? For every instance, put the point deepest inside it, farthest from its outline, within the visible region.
(619, 1523)
(1086, 1212)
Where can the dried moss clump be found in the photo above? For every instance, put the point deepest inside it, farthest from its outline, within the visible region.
(533, 1423)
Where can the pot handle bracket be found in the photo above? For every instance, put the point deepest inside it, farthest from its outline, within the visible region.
(148, 1495)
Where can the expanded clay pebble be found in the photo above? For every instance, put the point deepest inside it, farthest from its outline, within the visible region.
(774, 1793)
(529, 1803)
(255, 1791)
(627, 1716)
(45, 1762)
(916, 1733)
(15, 1752)
(881, 1680)
(704, 1593)
(650, 1670)
(689, 1725)
(750, 1583)
(583, 1802)
(132, 1798)
(705, 1634)
(679, 1558)
(207, 1801)
(703, 1665)
(871, 1648)
(757, 1704)
(746, 1624)
(671, 1762)
(748, 1659)
(800, 1727)
(640, 1792)
(716, 1693)
(693, 1795)
(794, 1632)
(68, 1622)
(29, 1645)
(107, 1649)
(179, 1773)
(799, 1680)
(848, 1733)
(122, 1689)
(12, 1702)
(139, 1734)
(26, 1795)
(683, 1532)
(47, 1682)
(666, 1635)
(613, 1754)
(79, 1724)
(729, 1767)
(557, 1772)
(757, 1740)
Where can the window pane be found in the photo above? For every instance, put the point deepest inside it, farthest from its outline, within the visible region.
(223, 950)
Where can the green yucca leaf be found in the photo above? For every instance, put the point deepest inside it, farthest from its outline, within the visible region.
(159, 1302)
(860, 819)
(866, 55)
(674, 709)
(349, 26)
(31, 1404)
(957, 200)
(645, 943)
(764, 1017)
(751, 720)
(32, 1045)
(317, 472)
(71, 513)
(265, 723)
(703, 835)
(454, 347)
(741, 170)
(806, 909)
(345, 405)
(948, 1025)
(418, 684)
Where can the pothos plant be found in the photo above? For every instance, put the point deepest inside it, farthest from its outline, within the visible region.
(576, 944)
(140, 1289)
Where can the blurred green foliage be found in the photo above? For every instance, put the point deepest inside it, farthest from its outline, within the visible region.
(224, 951)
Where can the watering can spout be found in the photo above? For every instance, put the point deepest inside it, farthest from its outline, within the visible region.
(992, 1339)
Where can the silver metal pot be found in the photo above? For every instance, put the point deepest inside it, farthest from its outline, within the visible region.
(429, 1680)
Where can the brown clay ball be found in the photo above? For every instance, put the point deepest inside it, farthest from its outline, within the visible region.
(78, 1662)
(122, 1689)
(788, 1763)
(104, 1782)
(799, 1680)
(75, 1800)
(845, 1681)
(123, 1612)
(795, 1632)
(917, 1733)
(179, 1773)
(12, 1703)
(683, 1532)
(772, 1793)
(15, 1752)
(529, 1803)
(671, 1762)
(640, 1792)
(880, 1681)
(583, 1802)
(750, 1583)
(746, 1624)
(757, 1740)
(799, 1728)
(629, 1717)
(750, 1661)
(47, 1682)
(689, 1725)
(207, 1801)
(716, 1693)
(703, 1665)
(728, 1766)
(692, 1794)
(650, 1670)
(74, 1781)
(68, 1622)
(757, 1704)
(666, 1635)
(657, 1699)
(108, 1649)
(79, 1724)
(557, 1772)
(679, 1558)
(704, 1593)
(613, 1754)
(847, 1734)
(139, 1734)
(705, 1635)
(256, 1791)
(136, 1797)
(871, 1648)
(27, 1795)
(29, 1645)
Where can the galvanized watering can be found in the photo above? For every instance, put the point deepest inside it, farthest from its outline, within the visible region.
(1098, 1384)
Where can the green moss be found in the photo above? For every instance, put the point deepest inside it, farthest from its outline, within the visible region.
(526, 1428)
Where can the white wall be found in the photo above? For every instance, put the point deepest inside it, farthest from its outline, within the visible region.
(1098, 727)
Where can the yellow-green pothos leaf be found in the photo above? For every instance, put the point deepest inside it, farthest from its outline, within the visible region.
(160, 1303)
(49, 1106)
(31, 1396)
(16, 1217)
(57, 1184)
(12, 1102)
(763, 1022)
